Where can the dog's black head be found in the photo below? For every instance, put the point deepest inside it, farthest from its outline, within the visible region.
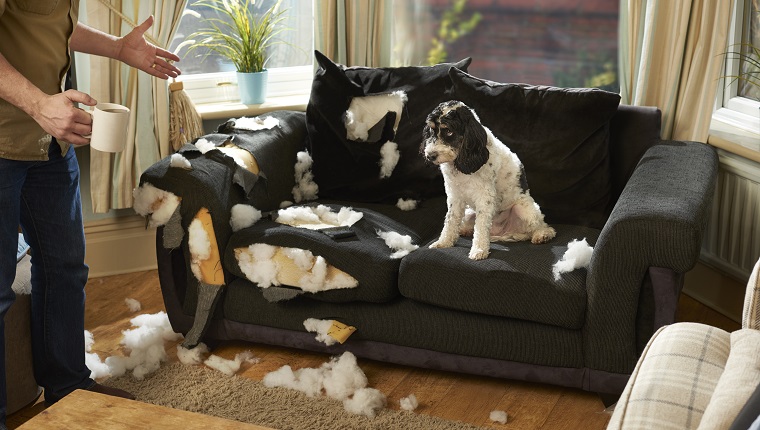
(453, 133)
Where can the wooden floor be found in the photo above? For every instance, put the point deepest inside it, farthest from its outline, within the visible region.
(447, 395)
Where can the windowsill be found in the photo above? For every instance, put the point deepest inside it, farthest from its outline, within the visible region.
(226, 110)
(735, 137)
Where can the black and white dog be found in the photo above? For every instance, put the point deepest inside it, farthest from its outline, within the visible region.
(483, 178)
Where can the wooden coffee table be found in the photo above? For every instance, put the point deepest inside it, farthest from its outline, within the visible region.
(86, 410)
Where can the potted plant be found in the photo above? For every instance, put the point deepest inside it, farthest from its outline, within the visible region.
(244, 38)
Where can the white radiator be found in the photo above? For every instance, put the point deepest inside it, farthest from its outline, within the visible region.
(732, 239)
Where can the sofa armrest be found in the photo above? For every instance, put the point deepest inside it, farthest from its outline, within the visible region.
(657, 222)
(207, 175)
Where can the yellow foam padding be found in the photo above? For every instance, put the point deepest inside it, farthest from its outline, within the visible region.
(340, 331)
(210, 268)
(235, 151)
(288, 272)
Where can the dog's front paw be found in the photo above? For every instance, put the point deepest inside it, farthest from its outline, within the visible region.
(543, 235)
(441, 244)
(478, 253)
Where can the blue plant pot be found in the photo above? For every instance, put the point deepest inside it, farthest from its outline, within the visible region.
(252, 87)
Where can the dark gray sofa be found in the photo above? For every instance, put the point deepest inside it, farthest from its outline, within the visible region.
(505, 316)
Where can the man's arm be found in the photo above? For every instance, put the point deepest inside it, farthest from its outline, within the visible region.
(131, 49)
(58, 114)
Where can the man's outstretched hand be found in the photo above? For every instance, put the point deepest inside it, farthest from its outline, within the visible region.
(138, 53)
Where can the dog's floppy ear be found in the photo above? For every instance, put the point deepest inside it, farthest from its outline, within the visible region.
(474, 152)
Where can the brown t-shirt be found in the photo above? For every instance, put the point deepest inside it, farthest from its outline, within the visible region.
(34, 38)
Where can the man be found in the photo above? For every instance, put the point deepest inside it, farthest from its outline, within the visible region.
(39, 176)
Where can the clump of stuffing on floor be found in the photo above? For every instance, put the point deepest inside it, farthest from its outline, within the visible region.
(145, 344)
(498, 417)
(409, 403)
(341, 378)
(133, 305)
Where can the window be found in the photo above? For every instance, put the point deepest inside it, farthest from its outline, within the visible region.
(210, 78)
(563, 43)
(737, 115)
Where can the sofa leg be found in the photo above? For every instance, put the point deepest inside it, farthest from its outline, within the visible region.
(608, 399)
(208, 296)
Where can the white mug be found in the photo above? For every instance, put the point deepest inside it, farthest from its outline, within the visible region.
(109, 127)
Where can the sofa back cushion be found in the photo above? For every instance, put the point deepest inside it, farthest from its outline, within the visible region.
(633, 130)
(561, 136)
(350, 170)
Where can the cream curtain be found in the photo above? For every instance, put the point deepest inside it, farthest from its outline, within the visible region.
(670, 57)
(114, 176)
(354, 32)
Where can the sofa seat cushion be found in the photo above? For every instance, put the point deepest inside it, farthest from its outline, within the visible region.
(515, 281)
(364, 256)
(426, 219)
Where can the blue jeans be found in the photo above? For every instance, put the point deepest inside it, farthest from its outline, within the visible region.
(43, 197)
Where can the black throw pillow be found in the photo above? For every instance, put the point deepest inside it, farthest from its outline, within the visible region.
(350, 170)
(561, 136)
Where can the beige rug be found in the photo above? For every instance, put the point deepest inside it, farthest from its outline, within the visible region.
(207, 391)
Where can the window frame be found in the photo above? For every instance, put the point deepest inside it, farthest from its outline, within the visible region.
(735, 114)
(221, 88)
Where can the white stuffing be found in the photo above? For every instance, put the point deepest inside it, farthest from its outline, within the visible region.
(179, 161)
(258, 264)
(365, 401)
(498, 417)
(200, 246)
(319, 217)
(305, 188)
(89, 340)
(577, 256)
(145, 345)
(343, 377)
(306, 380)
(320, 327)
(401, 244)
(159, 204)
(409, 403)
(204, 145)
(257, 123)
(193, 356)
(285, 204)
(407, 204)
(340, 378)
(243, 216)
(133, 305)
(364, 112)
(98, 369)
(230, 367)
(389, 156)
(315, 278)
